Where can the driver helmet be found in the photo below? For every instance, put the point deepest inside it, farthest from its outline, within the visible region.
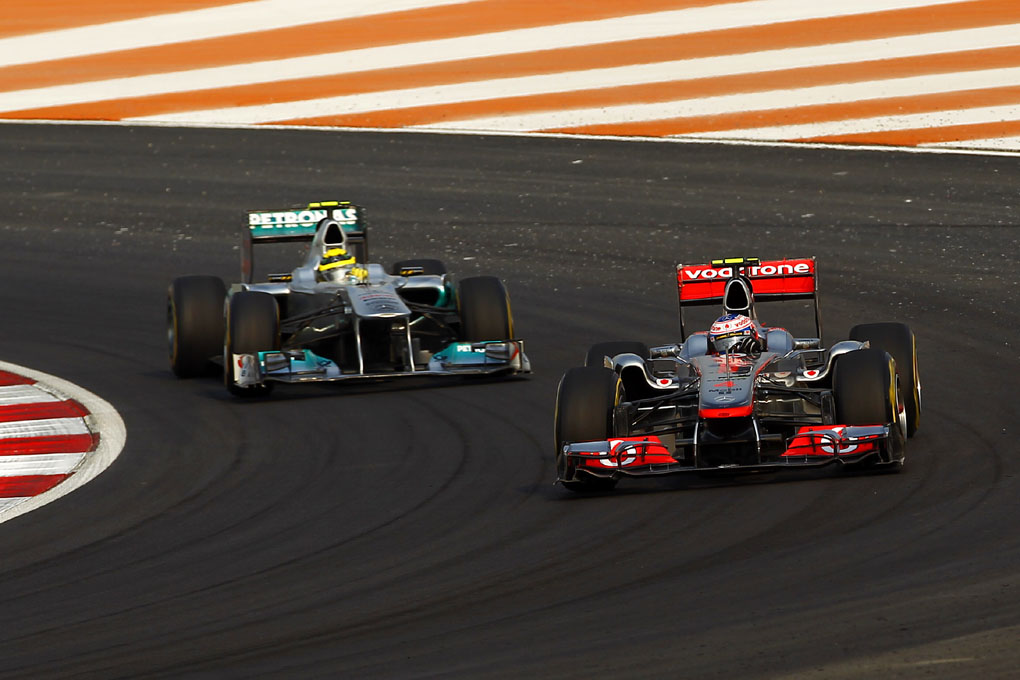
(333, 258)
(733, 333)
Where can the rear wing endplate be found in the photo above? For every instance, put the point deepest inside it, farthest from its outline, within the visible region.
(300, 224)
(771, 280)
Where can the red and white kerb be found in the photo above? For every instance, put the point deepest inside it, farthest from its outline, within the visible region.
(43, 439)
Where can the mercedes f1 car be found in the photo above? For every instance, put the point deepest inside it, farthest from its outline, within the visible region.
(770, 402)
(335, 317)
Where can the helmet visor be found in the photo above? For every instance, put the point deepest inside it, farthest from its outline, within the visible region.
(724, 344)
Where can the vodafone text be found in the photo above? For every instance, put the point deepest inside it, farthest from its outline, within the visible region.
(783, 269)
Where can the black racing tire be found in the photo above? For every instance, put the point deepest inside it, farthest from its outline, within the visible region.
(862, 389)
(253, 325)
(866, 391)
(428, 266)
(194, 320)
(898, 340)
(586, 401)
(596, 355)
(484, 308)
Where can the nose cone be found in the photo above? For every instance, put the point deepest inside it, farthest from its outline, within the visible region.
(727, 383)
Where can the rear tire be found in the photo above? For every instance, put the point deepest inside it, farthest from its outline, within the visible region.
(194, 319)
(586, 401)
(898, 340)
(253, 325)
(866, 392)
(428, 266)
(484, 307)
(596, 355)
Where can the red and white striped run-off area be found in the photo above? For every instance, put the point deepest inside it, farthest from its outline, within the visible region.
(897, 72)
(44, 439)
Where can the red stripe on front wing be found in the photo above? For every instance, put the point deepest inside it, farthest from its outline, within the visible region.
(28, 485)
(42, 410)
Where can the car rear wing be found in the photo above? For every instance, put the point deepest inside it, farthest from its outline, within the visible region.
(769, 280)
(300, 224)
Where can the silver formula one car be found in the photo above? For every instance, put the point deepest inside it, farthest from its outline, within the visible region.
(336, 317)
(741, 397)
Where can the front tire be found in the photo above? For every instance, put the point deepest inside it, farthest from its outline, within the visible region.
(194, 320)
(586, 401)
(484, 307)
(898, 340)
(866, 392)
(253, 325)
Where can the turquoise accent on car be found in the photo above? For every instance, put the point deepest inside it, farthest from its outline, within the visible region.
(303, 361)
(445, 297)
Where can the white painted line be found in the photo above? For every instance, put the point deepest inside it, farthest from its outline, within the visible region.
(658, 24)
(48, 427)
(199, 24)
(605, 78)
(102, 418)
(23, 394)
(40, 464)
(8, 503)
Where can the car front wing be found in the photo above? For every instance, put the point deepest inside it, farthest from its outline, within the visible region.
(505, 357)
(646, 456)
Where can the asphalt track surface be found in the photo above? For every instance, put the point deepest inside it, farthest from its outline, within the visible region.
(386, 532)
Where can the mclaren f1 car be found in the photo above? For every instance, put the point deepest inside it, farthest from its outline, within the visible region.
(337, 317)
(741, 397)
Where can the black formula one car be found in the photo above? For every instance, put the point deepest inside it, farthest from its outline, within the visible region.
(336, 317)
(741, 397)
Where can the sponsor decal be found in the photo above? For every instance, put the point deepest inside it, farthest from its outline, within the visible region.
(299, 218)
(664, 382)
(845, 448)
(626, 453)
(829, 441)
(812, 373)
(826, 444)
(469, 348)
(779, 269)
(725, 398)
(731, 323)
